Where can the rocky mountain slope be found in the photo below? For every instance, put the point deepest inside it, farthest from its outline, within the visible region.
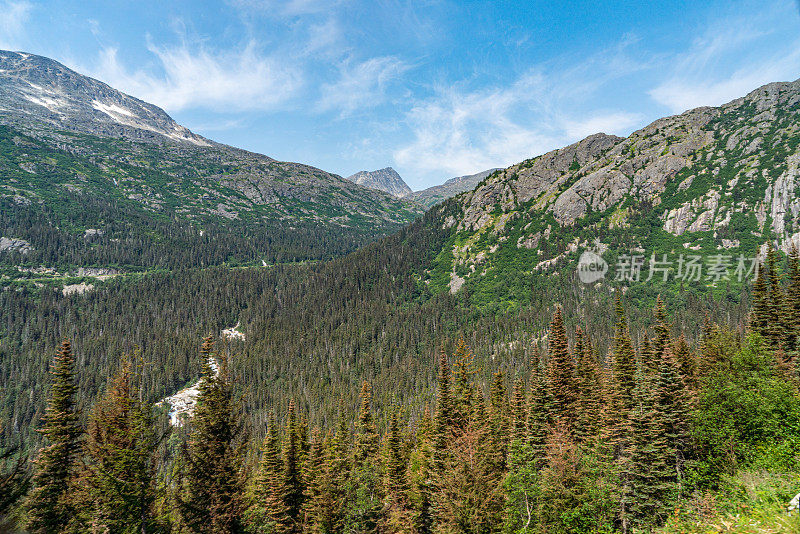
(708, 182)
(386, 180)
(78, 155)
(433, 195)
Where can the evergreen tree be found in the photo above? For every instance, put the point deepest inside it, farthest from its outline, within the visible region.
(14, 481)
(420, 484)
(561, 373)
(121, 448)
(519, 414)
(587, 377)
(499, 422)
(686, 361)
(267, 513)
(364, 496)
(292, 468)
(650, 469)
(49, 508)
(673, 413)
(463, 390)
(211, 500)
(397, 513)
(538, 416)
(662, 339)
(760, 314)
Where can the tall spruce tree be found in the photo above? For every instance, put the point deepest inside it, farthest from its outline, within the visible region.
(561, 373)
(364, 495)
(292, 468)
(266, 512)
(587, 377)
(211, 501)
(121, 448)
(49, 507)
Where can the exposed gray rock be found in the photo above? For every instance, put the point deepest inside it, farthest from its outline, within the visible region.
(12, 244)
(386, 180)
(452, 187)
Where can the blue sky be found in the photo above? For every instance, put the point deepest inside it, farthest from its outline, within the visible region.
(433, 88)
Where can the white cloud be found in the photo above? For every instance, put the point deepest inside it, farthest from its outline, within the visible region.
(614, 122)
(360, 85)
(461, 132)
(733, 57)
(193, 77)
(13, 17)
(288, 8)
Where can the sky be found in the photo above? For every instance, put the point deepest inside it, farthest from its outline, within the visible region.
(433, 88)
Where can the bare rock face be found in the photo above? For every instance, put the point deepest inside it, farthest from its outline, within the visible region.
(452, 187)
(386, 180)
(726, 173)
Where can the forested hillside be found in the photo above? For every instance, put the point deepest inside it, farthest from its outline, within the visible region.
(660, 434)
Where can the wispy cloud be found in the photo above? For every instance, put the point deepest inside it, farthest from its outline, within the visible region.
(732, 57)
(360, 85)
(193, 76)
(13, 17)
(288, 8)
(459, 131)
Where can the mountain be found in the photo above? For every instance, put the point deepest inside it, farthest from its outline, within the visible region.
(433, 195)
(708, 182)
(386, 180)
(102, 178)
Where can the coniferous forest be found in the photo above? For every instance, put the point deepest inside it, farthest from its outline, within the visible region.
(646, 433)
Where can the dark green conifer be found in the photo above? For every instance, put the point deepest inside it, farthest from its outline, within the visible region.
(120, 448)
(267, 513)
(211, 501)
(587, 377)
(292, 468)
(519, 413)
(561, 373)
(49, 507)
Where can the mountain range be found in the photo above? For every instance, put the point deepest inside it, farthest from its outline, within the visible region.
(78, 155)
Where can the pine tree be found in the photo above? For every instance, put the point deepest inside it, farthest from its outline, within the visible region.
(519, 413)
(686, 361)
(292, 468)
(314, 491)
(662, 340)
(444, 410)
(760, 314)
(420, 484)
(364, 497)
(499, 422)
(793, 299)
(561, 373)
(624, 360)
(651, 486)
(48, 507)
(121, 449)
(267, 513)
(777, 329)
(587, 377)
(538, 416)
(211, 502)
(14, 480)
(463, 390)
(674, 413)
(397, 513)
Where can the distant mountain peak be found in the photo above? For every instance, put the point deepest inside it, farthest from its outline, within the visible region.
(385, 179)
(41, 89)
